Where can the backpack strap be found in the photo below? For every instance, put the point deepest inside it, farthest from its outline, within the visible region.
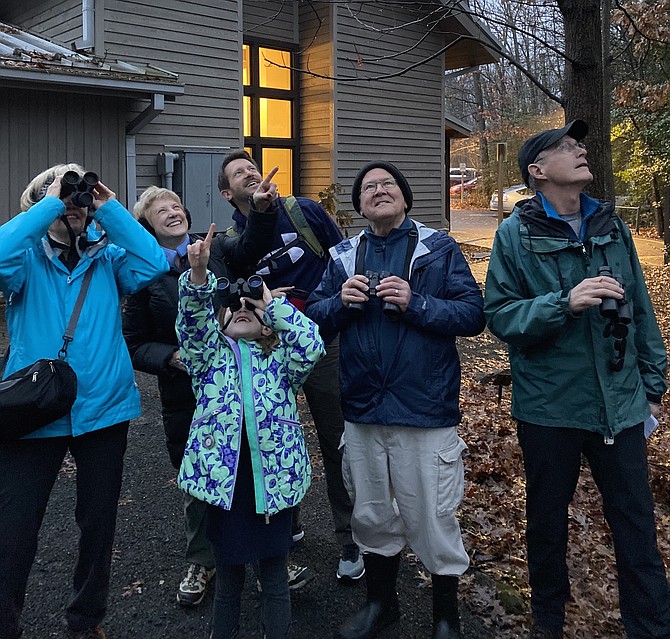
(297, 217)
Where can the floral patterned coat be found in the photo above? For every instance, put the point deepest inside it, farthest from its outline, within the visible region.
(235, 379)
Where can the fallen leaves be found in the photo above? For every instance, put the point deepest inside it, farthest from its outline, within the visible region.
(492, 514)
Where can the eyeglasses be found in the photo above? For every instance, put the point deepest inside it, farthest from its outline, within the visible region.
(564, 147)
(370, 187)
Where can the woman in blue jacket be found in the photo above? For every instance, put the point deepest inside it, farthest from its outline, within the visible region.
(44, 253)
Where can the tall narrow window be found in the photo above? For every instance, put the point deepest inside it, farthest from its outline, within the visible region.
(270, 117)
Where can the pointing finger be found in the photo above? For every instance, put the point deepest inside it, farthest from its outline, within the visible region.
(210, 234)
(271, 174)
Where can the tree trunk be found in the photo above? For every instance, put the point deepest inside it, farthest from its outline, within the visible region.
(585, 90)
(666, 233)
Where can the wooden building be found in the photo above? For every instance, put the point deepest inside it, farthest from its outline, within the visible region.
(157, 91)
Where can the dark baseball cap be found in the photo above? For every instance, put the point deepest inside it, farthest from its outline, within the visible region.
(532, 147)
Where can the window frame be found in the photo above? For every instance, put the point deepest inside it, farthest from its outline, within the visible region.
(255, 92)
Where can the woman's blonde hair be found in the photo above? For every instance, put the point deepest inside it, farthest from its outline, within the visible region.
(36, 190)
(267, 343)
(141, 210)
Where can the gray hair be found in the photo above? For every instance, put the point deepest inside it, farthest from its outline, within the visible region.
(36, 190)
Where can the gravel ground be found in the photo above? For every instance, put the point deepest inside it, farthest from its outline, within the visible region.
(148, 565)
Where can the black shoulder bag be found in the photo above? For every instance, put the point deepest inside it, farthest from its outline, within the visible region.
(43, 392)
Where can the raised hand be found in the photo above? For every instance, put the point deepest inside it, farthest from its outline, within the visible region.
(54, 187)
(102, 194)
(198, 257)
(266, 192)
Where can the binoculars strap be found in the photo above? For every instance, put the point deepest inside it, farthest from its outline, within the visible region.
(412, 241)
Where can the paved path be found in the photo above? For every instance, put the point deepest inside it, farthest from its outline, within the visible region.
(479, 227)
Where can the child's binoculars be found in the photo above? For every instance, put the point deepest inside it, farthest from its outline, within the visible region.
(231, 292)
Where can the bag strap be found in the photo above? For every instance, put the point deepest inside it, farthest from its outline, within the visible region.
(68, 336)
(297, 217)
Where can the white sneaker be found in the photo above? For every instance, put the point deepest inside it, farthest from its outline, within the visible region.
(194, 585)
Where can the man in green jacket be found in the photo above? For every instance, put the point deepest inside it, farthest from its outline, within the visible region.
(565, 291)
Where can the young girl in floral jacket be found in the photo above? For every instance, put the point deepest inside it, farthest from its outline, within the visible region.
(246, 454)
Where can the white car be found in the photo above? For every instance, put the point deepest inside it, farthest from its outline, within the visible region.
(511, 195)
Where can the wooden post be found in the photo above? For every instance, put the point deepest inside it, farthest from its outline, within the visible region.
(501, 154)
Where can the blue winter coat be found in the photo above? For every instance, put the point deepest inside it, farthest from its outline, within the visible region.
(41, 293)
(420, 387)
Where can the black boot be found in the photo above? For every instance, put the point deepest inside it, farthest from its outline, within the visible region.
(381, 608)
(446, 622)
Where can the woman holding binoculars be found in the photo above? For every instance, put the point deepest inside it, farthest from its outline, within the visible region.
(149, 328)
(72, 228)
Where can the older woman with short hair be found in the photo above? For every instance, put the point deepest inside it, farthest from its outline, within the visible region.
(44, 254)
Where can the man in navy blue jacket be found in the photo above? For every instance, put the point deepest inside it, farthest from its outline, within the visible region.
(294, 266)
(399, 293)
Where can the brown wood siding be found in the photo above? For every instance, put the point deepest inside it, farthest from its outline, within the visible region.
(271, 20)
(57, 19)
(317, 170)
(39, 129)
(200, 41)
(400, 119)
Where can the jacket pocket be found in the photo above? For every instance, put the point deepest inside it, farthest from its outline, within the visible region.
(450, 481)
(290, 456)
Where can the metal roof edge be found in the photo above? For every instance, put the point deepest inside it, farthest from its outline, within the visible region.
(55, 79)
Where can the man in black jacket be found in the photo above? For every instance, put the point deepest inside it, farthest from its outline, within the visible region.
(149, 329)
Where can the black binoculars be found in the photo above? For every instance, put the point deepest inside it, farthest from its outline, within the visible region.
(81, 187)
(619, 315)
(231, 292)
(613, 309)
(392, 311)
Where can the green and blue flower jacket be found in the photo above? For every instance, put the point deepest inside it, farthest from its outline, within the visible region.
(236, 381)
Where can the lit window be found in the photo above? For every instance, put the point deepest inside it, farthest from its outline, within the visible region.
(283, 158)
(246, 65)
(273, 71)
(268, 111)
(275, 118)
(247, 116)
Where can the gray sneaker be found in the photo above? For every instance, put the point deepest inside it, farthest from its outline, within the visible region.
(351, 566)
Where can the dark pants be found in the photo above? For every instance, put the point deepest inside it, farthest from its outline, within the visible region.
(276, 611)
(322, 390)
(28, 470)
(552, 465)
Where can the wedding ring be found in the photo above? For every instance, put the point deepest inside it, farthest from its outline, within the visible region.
(397, 291)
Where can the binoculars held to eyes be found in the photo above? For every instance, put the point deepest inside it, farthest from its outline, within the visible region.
(81, 187)
(392, 311)
(231, 292)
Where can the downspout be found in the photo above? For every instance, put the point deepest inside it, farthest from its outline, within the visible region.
(87, 40)
(156, 107)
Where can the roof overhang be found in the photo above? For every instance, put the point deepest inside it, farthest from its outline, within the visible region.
(473, 43)
(29, 61)
(454, 128)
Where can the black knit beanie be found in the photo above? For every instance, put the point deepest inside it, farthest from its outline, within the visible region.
(393, 170)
